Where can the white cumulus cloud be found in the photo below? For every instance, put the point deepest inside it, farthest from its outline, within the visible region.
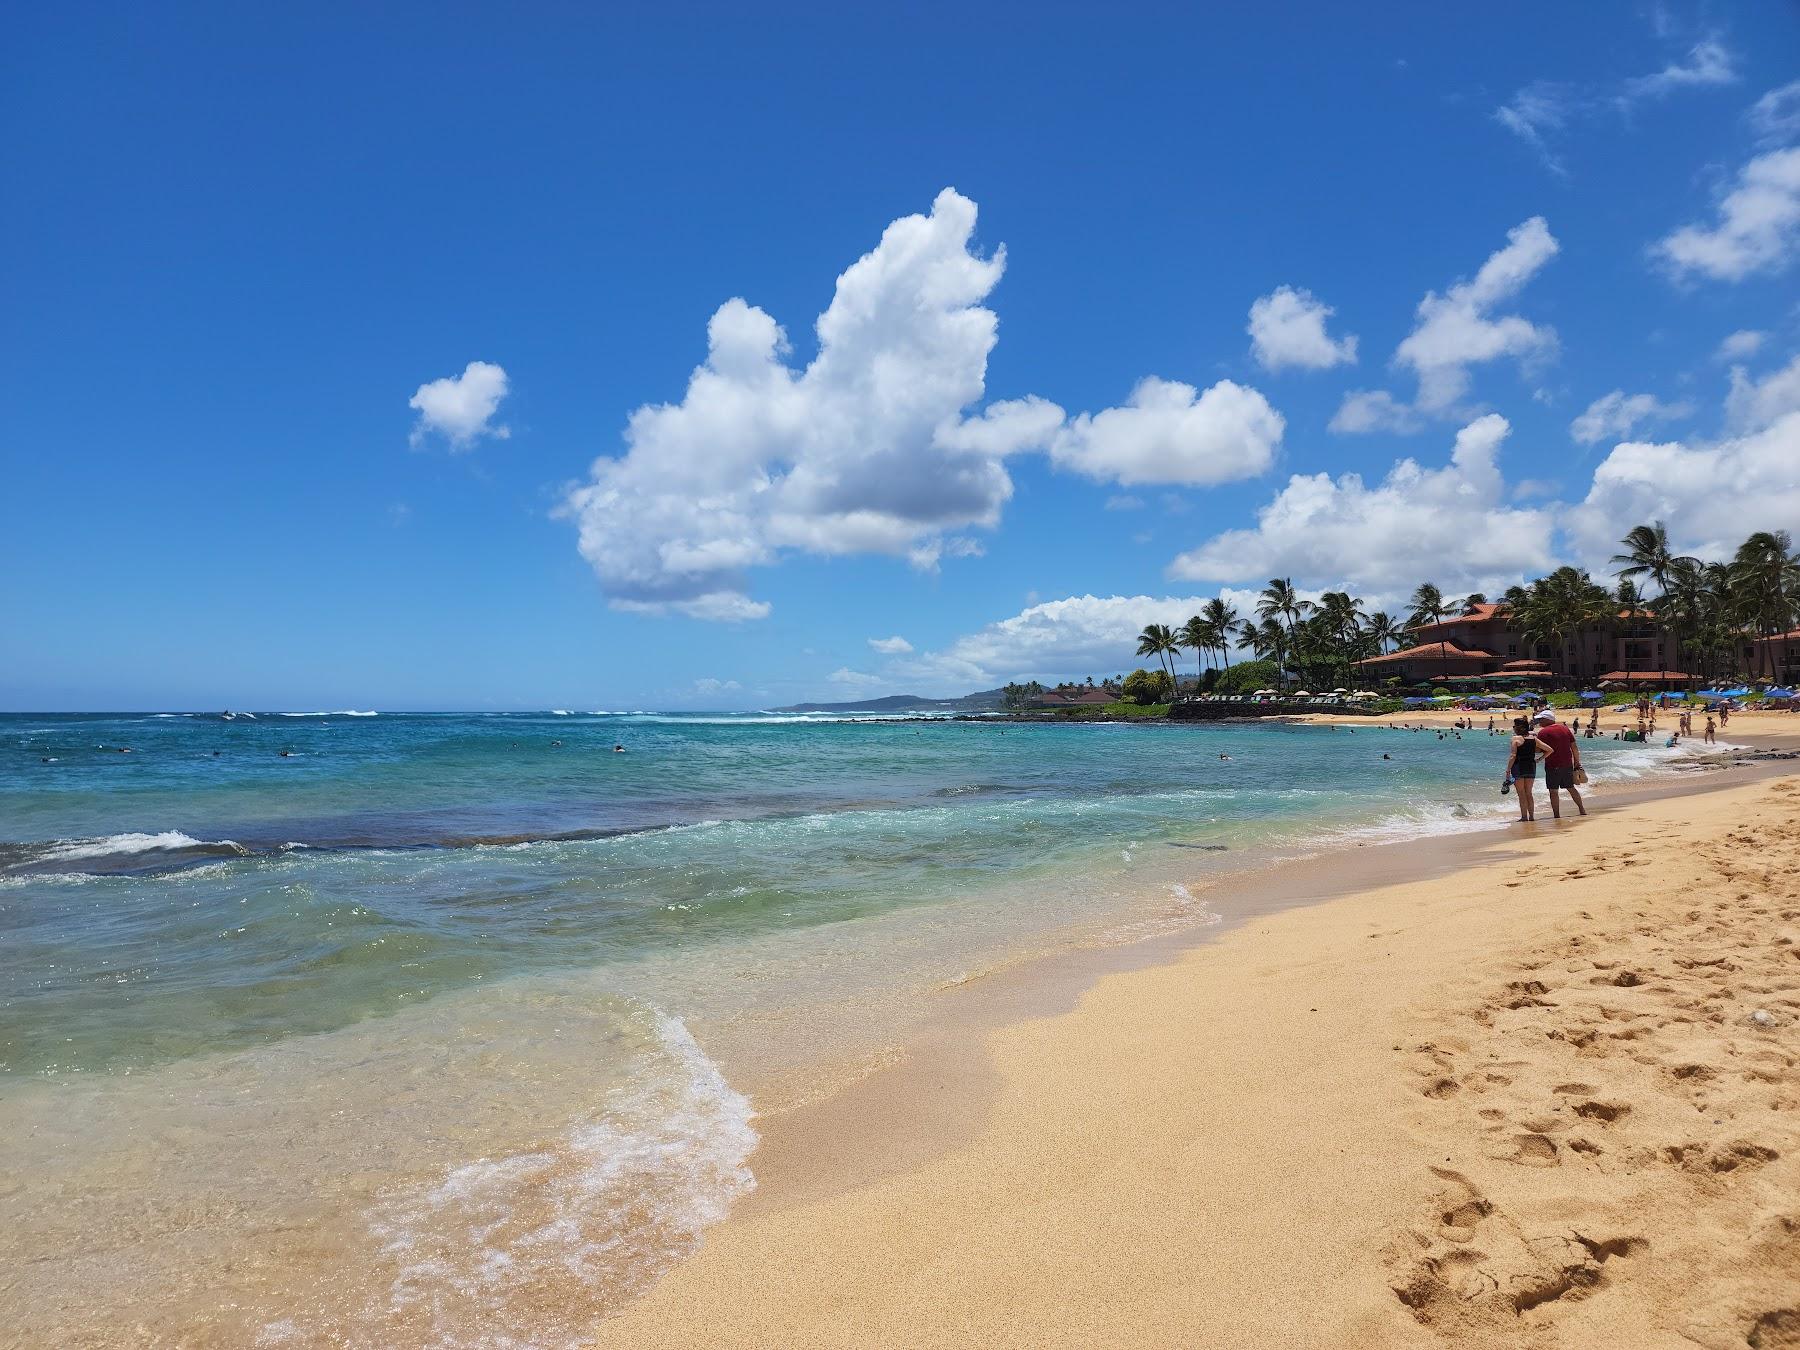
(1458, 329)
(1287, 328)
(1449, 525)
(1169, 432)
(871, 447)
(1710, 495)
(461, 408)
(713, 685)
(1738, 345)
(854, 679)
(1056, 639)
(1753, 404)
(891, 646)
(1615, 414)
(1374, 410)
(1757, 230)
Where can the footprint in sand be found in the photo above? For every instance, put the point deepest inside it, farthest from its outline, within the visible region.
(1534, 1150)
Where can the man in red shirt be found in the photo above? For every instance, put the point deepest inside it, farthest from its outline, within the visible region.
(1561, 764)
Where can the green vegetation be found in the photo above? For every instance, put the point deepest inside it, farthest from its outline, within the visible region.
(1247, 677)
(1146, 687)
(1709, 610)
(1018, 696)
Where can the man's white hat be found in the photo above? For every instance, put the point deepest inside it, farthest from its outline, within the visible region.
(1545, 716)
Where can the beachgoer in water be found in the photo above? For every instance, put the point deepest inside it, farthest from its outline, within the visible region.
(1522, 755)
(555, 743)
(1562, 763)
(619, 749)
(1387, 756)
(1224, 756)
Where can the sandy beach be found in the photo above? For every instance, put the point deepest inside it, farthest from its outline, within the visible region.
(1773, 730)
(1550, 1098)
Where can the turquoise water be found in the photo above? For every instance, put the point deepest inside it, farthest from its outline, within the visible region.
(206, 891)
(477, 993)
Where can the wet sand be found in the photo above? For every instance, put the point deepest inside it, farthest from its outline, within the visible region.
(1504, 1089)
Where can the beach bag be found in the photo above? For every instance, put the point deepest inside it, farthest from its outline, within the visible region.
(1580, 777)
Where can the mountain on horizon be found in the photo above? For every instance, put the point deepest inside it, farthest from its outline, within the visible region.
(985, 700)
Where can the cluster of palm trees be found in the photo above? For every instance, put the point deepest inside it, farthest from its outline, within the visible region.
(1708, 610)
(1312, 640)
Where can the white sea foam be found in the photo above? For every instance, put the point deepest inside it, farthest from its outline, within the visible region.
(68, 850)
(1184, 911)
(342, 712)
(520, 1249)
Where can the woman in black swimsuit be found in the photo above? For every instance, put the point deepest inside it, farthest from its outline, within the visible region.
(1521, 766)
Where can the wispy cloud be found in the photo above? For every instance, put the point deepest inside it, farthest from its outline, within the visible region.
(1541, 112)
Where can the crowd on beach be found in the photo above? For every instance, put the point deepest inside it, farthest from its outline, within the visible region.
(1538, 741)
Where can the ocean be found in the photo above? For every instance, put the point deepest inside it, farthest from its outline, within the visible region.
(453, 1029)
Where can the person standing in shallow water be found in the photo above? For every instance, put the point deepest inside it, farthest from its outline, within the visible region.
(1521, 766)
(1562, 763)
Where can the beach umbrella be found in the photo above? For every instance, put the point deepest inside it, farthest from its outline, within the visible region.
(1302, 693)
(1340, 691)
(1592, 695)
(1780, 693)
(1730, 693)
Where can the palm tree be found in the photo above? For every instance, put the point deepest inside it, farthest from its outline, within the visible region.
(1384, 628)
(1428, 607)
(1649, 554)
(1159, 640)
(1558, 607)
(1341, 617)
(1199, 635)
(1223, 619)
(1765, 581)
(1267, 640)
(1279, 600)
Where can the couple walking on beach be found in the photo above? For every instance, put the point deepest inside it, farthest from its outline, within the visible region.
(1544, 738)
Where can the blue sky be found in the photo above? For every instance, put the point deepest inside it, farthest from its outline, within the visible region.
(249, 259)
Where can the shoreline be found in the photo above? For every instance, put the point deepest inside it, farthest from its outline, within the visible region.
(911, 1124)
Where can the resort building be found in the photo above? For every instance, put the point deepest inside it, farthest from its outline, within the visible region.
(1778, 655)
(1076, 696)
(1482, 641)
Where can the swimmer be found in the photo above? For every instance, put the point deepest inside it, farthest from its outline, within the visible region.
(1387, 756)
(555, 743)
(1224, 756)
(618, 749)
(287, 754)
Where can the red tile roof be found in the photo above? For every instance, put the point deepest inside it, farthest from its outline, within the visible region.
(1480, 614)
(1444, 651)
(1652, 676)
